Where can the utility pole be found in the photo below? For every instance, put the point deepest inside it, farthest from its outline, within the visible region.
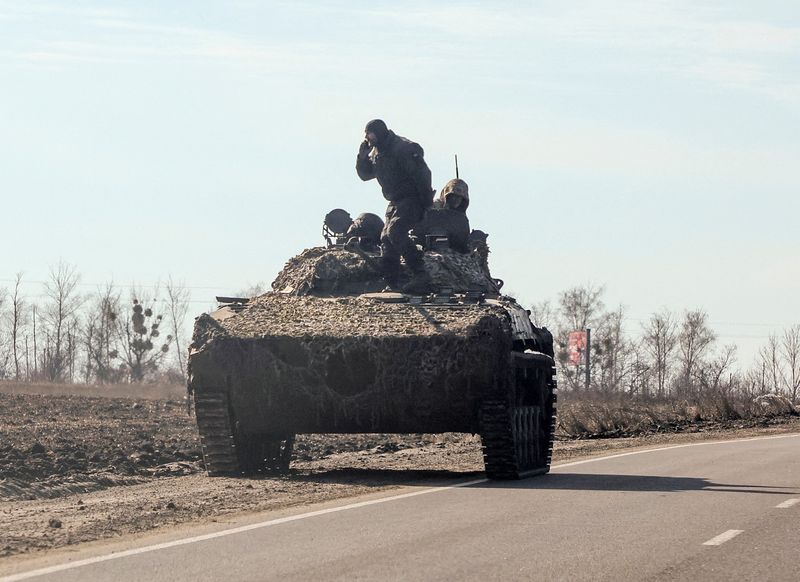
(588, 357)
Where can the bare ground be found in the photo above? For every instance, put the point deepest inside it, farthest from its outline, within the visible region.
(108, 462)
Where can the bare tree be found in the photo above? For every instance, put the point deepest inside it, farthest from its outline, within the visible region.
(100, 336)
(640, 371)
(178, 308)
(35, 375)
(694, 340)
(612, 352)
(579, 307)
(710, 374)
(27, 361)
(5, 353)
(137, 333)
(17, 317)
(63, 304)
(71, 351)
(544, 314)
(790, 348)
(750, 385)
(771, 365)
(659, 341)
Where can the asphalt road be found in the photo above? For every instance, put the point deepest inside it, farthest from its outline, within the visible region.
(706, 511)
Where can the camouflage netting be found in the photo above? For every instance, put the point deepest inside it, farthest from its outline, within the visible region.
(314, 364)
(461, 272)
(329, 271)
(319, 269)
(276, 314)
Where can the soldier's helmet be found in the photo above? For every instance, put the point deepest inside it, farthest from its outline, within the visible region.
(367, 226)
(455, 195)
(377, 127)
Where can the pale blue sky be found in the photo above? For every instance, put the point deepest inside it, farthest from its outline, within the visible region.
(650, 147)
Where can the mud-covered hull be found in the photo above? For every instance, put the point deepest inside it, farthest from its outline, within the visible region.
(283, 384)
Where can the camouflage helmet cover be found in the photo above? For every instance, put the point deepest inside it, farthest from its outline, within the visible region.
(455, 187)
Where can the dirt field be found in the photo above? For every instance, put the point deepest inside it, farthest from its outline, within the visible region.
(114, 461)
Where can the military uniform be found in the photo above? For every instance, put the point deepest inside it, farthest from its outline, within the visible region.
(398, 165)
(448, 217)
(367, 228)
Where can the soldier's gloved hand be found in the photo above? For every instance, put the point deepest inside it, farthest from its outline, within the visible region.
(363, 149)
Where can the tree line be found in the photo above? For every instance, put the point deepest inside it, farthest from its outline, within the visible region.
(114, 335)
(673, 355)
(111, 335)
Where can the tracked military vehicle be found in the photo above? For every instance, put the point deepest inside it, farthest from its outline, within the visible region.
(330, 350)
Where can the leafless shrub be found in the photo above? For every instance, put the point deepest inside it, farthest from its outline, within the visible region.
(177, 310)
(606, 416)
(59, 317)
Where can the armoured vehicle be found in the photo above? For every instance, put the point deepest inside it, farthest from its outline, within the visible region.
(330, 350)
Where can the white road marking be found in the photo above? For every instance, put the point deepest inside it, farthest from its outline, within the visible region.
(788, 503)
(687, 445)
(269, 523)
(723, 537)
(227, 532)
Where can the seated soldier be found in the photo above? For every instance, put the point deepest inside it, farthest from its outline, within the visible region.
(448, 217)
(366, 229)
(454, 196)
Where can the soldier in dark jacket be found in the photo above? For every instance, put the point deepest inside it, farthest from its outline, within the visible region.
(405, 180)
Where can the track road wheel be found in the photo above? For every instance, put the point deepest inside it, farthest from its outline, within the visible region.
(227, 451)
(260, 453)
(518, 433)
(215, 424)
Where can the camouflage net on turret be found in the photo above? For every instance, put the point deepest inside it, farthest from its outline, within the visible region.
(323, 271)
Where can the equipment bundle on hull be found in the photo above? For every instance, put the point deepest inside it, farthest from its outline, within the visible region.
(329, 351)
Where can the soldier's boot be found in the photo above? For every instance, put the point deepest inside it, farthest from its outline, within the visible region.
(420, 282)
(390, 267)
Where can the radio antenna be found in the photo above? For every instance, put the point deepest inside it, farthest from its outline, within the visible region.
(456, 157)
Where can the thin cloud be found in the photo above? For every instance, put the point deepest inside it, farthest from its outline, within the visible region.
(484, 41)
(561, 143)
(32, 10)
(139, 27)
(753, 37)
(125, 40)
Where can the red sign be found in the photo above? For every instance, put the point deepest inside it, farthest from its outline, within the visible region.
(576, 346)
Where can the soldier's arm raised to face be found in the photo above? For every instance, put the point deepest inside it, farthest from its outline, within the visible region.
(364, 166)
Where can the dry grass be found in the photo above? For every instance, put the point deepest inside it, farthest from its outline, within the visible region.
(146, 391)
(609, 416)
(580, 416)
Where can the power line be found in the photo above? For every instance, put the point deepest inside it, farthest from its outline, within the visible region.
(147, 286)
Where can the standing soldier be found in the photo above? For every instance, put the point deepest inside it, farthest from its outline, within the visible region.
(405, 180)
